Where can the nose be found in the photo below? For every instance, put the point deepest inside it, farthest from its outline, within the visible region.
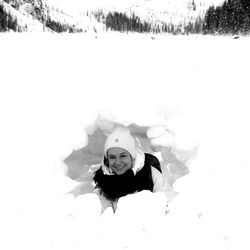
(117, 161)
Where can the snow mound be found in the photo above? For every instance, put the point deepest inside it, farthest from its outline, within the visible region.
(47, 114)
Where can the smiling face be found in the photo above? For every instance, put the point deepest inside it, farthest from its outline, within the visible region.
(119, 160)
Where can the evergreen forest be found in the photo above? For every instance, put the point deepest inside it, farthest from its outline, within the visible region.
(231, 17)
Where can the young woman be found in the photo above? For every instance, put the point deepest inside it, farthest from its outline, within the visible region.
(126, 169)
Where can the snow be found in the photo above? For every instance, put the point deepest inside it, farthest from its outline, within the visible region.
(154, 11)
(191, 91)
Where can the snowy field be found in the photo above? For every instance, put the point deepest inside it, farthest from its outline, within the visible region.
(52, 89)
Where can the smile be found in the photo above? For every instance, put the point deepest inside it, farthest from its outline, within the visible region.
(119, 167)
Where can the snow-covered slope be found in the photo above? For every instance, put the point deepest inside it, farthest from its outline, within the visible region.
(34, 16)
(80, 15)
(151, 10)
(25, 19)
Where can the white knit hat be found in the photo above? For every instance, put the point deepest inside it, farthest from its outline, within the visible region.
(121, 138)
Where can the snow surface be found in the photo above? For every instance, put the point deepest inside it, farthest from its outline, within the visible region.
(52, 89)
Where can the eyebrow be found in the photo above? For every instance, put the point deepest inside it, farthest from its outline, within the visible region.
(119, 154)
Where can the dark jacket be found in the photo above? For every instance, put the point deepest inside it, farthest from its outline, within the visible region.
(115, 186)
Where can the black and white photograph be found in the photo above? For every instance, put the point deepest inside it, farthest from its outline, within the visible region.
(124, 124)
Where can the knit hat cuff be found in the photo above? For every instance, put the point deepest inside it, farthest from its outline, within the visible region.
(121, 138)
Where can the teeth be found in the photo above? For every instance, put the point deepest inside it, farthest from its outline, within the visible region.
(118, 167)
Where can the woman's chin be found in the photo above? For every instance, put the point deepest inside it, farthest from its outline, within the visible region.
(120, 171)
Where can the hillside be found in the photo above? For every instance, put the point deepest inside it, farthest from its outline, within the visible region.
(39, 15)
(153, 16)
(47, 15)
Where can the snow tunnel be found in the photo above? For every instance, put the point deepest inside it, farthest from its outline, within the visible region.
(158, 140)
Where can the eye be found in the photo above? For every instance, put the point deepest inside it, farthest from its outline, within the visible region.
(123, 156)
(111, 157)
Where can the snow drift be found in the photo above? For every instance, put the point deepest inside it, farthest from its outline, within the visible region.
(189, 93)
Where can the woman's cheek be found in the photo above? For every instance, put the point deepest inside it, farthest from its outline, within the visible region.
(111, 163)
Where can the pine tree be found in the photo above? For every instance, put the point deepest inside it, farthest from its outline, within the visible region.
(3, 19)
(194, 5)
(232, 17)
(121, 22)
(246, 6)
(7, 21)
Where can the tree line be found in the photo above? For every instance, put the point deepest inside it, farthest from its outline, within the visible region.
(232, 17)
(125, 23)
(122, 22)
(59, 27)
